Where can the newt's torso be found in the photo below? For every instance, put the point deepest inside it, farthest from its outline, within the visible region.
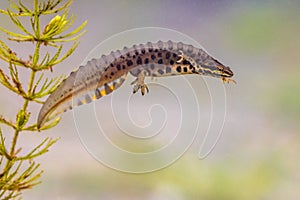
(100, 77)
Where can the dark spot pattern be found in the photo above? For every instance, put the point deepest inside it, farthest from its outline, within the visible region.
(129, 63)
(160, 44)
(168, 69)
(138, 71)
(190, 49)
(88, 98)
(107, 88)
(97, 93)
(168, 55)
(160, 71)
(160, 61)
(115, 84)
(146, 60)
(170, 45)
(185, 62)
(178, 69)
(153, 57)
(139, 61)
(180, 45)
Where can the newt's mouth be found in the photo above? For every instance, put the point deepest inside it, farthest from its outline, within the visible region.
(225, 72)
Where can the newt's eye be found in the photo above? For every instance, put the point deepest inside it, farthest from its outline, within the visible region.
(220, 68)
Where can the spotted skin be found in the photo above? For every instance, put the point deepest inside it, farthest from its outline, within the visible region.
(100, 77)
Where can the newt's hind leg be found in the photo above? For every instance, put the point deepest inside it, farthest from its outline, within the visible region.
(139, 83)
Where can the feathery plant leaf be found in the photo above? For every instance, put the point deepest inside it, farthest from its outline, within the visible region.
(18, 24)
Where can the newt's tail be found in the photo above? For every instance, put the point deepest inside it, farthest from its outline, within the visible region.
(81, 87)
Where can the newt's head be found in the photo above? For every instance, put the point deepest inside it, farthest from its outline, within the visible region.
(212, 67)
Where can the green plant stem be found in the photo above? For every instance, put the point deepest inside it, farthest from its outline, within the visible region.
(26, 101)
(14, 142)
(30, 87)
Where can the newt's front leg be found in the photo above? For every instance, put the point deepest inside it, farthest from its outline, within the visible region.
(228, 80)
(139, 83)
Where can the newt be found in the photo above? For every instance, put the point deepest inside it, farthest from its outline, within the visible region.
(100, 77)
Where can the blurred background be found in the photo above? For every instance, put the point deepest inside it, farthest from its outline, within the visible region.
(256, 156)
